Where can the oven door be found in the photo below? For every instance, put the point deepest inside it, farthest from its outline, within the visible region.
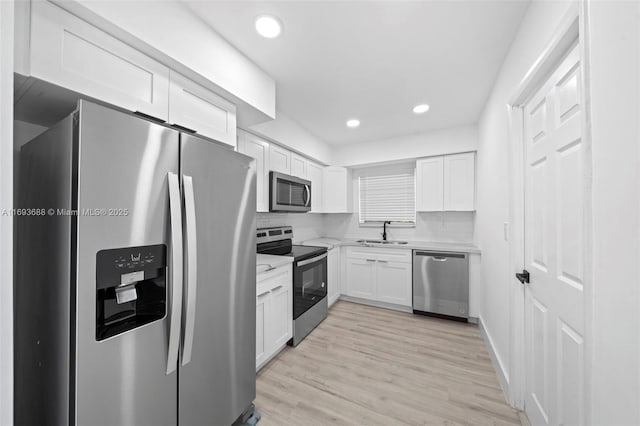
(289, 193)
(309, 283)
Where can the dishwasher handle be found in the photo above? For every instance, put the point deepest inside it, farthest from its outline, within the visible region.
(440, 256)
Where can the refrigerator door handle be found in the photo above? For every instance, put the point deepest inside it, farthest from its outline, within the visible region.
(176, 272)
(191, 270)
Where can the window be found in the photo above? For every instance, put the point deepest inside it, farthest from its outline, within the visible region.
(389, 195)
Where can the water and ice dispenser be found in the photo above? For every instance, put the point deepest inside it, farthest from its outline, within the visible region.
(131, 288)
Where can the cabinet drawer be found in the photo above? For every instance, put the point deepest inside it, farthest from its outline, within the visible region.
(69, 52)
(269, 280)
(197, 108)
(380, 254)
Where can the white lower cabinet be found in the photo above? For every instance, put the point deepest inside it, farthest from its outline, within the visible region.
(379, 275)
(274, 312)
(333, 275)
(394, 282)
(361, 278)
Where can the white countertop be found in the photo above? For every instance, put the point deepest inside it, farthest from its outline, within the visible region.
(269, 261)
(418, 245)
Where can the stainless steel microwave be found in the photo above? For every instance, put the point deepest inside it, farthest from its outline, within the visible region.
(288, 193)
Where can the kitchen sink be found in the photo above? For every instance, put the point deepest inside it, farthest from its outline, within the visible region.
(381, 242)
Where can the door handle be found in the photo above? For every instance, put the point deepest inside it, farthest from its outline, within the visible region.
(175, 211)
(523, 277)
(191, 270)
(308, 191)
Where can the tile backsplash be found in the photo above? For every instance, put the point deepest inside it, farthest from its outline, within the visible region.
(456, 227)
(306, 226)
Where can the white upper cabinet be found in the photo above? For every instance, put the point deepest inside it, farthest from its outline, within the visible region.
(459, 182)
(199, 109)
(280, 159)
(315, 175)
(446, 183)
(337, 190)
(430, 184)
(257, 148)
(69, 52)
(298, 166)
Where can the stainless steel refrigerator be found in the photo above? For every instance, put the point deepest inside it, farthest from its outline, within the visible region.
(135, 289)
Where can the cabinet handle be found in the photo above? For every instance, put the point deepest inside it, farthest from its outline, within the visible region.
(383, 261)
(263, 293)
(277, 288)
(371, 260)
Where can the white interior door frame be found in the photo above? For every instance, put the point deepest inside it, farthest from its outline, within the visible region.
(572, 27)
(6, 202)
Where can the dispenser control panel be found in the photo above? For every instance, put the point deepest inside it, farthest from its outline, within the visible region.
(126, 265)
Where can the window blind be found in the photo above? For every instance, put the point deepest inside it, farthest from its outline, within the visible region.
(388, 197)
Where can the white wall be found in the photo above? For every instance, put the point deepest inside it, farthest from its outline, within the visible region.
(492, 172)
(615, 89)
(6, 202)
(438, 142)
(289, 133)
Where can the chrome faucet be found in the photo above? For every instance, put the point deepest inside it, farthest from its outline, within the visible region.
(384, 230)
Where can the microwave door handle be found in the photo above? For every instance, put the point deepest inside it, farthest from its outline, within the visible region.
(308, 191)
(175, 212)
(191, 269)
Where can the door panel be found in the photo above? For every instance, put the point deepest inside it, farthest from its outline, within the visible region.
(258, 149)
(123, 164)
(219, 382)
(394, 282)
(281, 314)
(262, 334)
(361, 276)
(554, 249)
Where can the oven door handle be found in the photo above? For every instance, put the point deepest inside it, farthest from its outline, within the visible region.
(313, 259)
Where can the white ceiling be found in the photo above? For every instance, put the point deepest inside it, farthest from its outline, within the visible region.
(374, 60)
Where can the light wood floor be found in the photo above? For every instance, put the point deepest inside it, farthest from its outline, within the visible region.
(372, 366)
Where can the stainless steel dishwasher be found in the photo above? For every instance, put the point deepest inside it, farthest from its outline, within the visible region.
(441, 283)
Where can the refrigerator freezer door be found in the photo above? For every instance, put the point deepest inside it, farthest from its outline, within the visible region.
(122, 178)
(218, 383)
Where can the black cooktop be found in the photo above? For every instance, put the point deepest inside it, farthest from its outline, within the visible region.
(296, 251)
(304, 252)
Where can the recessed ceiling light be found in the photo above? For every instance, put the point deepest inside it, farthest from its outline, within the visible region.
(420, 109)
(353, 123)
(268, 26)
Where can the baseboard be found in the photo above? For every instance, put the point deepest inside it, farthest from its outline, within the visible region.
(501, 371)
(333, 299)
(377, 304)
(271, 357)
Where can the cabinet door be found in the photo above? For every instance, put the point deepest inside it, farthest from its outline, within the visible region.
(314, 174)
(429, 184)
(337, 190)
(361, 278)
(257, 148)
(459, 181)
(333, 272)
(394, 282)
(279, 159)
(197, 108)
(281, 315)
(69, 52)
(262, 332)
(298, 166)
